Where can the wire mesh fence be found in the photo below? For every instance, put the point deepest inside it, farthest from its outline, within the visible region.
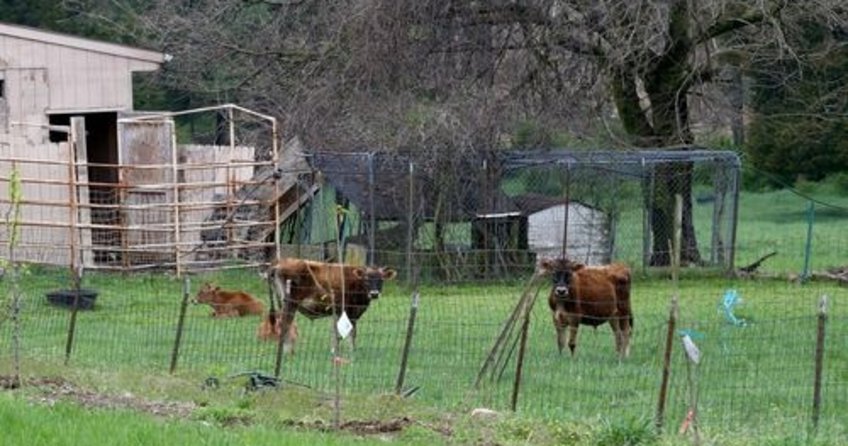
(749, 376)
(466, 237)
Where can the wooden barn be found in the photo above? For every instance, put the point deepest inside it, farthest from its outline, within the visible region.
(104, 185)
(46, 79)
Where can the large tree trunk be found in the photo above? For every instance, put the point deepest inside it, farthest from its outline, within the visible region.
(664, 123)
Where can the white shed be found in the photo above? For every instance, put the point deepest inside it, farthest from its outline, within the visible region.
(588, 232)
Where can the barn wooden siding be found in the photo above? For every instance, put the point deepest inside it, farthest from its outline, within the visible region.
(76, 74)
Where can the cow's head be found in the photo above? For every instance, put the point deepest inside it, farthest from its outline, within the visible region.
(561, 271)
(206, 294)
(373, 278)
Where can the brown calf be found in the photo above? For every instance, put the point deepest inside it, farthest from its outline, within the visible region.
(589, 296)
(228, 303)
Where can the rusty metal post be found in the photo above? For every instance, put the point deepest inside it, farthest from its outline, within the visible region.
(175, 352)
(407, 344)
(819, 361)
(666, 370)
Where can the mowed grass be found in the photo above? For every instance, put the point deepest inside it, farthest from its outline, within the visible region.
(754, 379)
(65, 423)
(774, 221)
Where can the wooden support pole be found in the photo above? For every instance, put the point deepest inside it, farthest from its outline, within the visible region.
(507, 328)
(819, 361)
(519, 365)
(666, 370)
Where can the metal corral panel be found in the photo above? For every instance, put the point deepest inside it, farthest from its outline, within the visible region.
(44, 234)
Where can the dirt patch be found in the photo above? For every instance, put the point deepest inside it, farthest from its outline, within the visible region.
(55, 389)
(10, 383)
(370, 427)
(50, 390)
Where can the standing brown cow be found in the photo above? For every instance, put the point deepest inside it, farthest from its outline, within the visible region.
(589, 296)
(319, 289)
(228, 303)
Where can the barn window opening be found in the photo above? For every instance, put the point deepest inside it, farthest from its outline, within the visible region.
(56, 136)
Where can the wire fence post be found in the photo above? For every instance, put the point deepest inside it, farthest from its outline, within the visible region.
(407, 343)
(819, 361)
(72, 326)
(666, 370)
(808, 246)
(372, 219)
(175, 352)
(410, 222)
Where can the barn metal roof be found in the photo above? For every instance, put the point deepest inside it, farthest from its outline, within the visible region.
(67, 40)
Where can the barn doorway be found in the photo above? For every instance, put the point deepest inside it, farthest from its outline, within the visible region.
(101, 141)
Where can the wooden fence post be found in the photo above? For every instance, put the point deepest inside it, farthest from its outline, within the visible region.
(819, 361)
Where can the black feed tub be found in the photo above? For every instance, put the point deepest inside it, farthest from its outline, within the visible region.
(65, 298)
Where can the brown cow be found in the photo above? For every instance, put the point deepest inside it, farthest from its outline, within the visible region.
(228, 303)
(589, 296)
(269, 330)
(319, 289)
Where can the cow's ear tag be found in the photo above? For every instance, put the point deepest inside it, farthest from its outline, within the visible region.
(344, 326)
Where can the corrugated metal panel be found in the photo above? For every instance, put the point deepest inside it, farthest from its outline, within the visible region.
(588, 233)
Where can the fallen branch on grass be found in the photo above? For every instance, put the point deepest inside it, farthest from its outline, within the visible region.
(752, 268)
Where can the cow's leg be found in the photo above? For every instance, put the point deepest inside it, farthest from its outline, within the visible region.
(572, 337)
(560, 331)
(573, 322)
(286, 321)
(353, 334)
(288, 308)
(626, 329)
(615, 323)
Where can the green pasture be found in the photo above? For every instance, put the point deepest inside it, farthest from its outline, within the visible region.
(756, 379)
(751, 377)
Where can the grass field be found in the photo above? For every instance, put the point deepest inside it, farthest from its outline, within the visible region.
(755, 382)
